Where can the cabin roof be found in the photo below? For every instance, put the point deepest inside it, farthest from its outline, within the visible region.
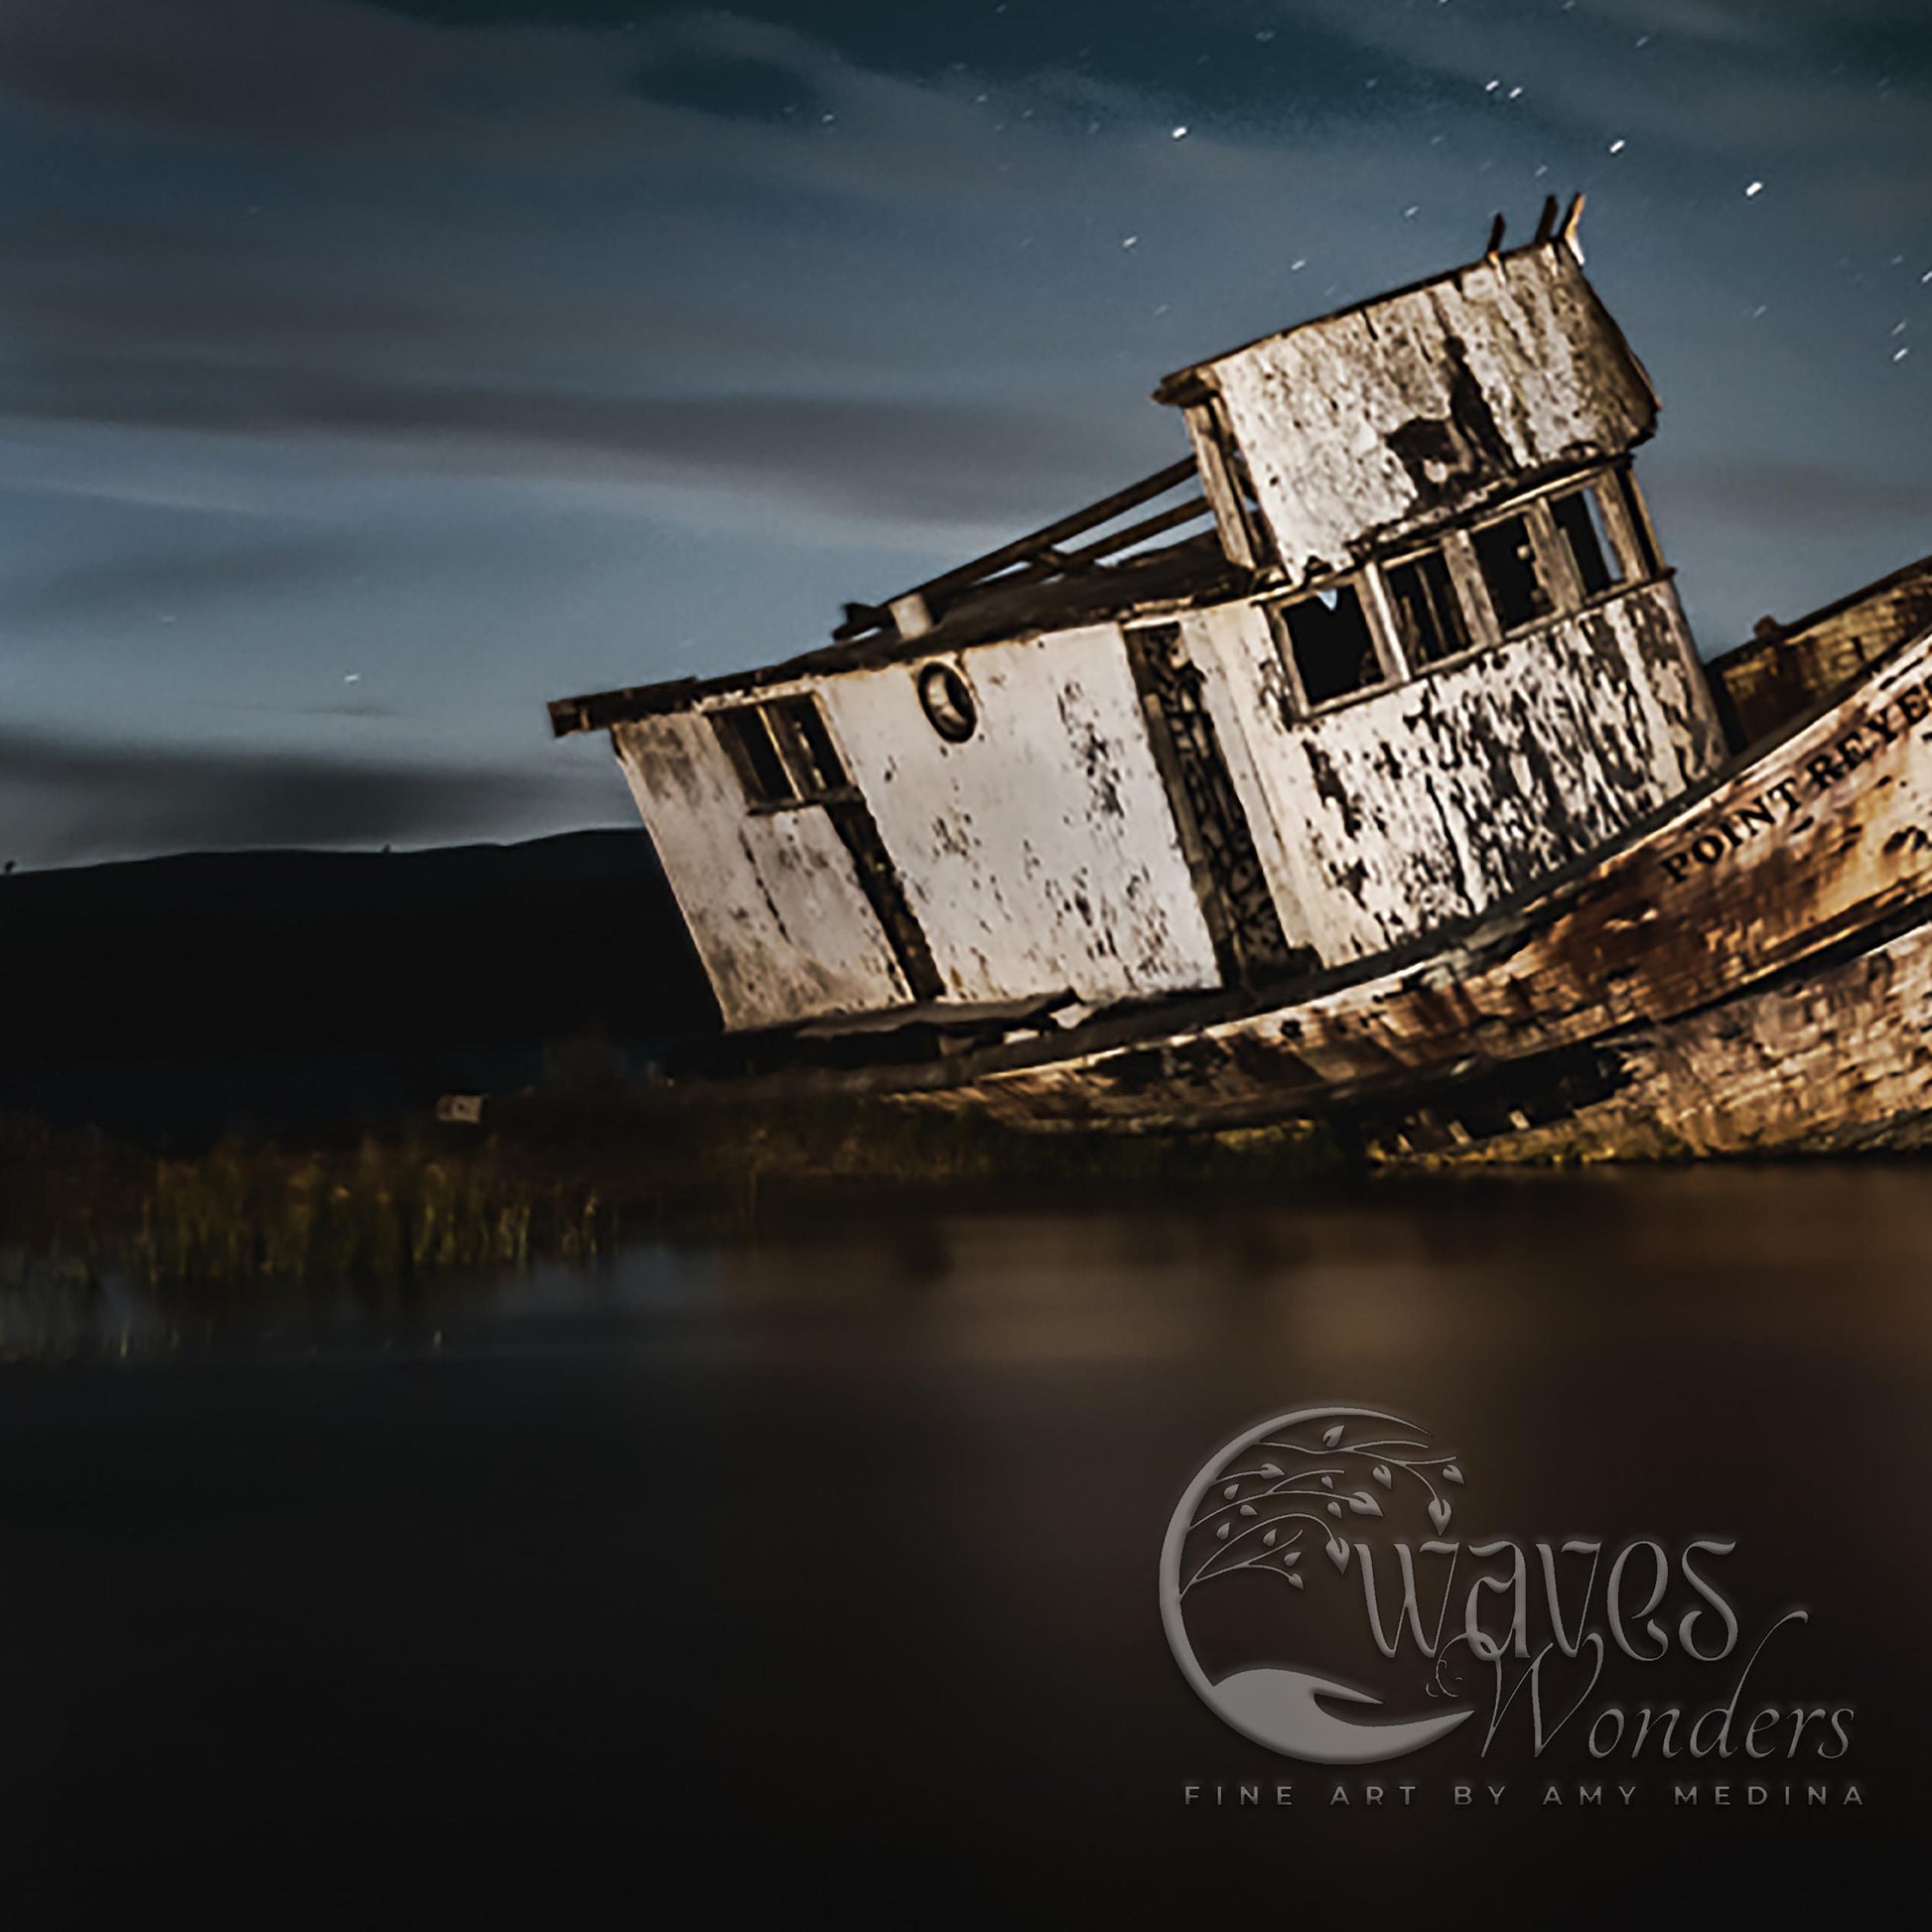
(1030, 586)
(1171, 578)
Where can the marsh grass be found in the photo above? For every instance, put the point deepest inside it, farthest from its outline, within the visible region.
(563, 1180)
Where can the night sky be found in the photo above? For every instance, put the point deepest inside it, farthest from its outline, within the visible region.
(373, 372)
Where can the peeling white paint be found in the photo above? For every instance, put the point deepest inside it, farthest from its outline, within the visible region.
(1388, 419)
(1428, 802)
(1040, 854)
(1246, 694)
(773, 898)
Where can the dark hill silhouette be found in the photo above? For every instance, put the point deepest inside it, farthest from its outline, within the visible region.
(180, 997)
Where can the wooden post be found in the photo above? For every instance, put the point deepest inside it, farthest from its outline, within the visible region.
(1219, 486)
(1379, 607)
(1478, 612)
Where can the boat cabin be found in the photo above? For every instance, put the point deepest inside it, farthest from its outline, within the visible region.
(1395, 642)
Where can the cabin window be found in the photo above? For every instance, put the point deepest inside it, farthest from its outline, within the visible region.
(1427, 613)
(1637, 524)
(1507, 556)
(782, 752)
(1586, 531)
(748, 742)
(947, 701)
(1328, 639)
(814, 759)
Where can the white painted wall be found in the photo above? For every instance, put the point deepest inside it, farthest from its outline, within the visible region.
(1322, 411)
(773, 898)
(1041, 854)
(1428, 802)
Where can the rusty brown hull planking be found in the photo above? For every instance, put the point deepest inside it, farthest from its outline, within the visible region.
(1752, 974)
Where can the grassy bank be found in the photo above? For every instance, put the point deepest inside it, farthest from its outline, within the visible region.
(561, 1178)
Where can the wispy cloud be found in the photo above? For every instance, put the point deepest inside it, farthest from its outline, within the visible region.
(108, 799)
(506, 358)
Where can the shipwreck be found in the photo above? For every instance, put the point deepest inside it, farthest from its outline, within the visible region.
(1358, 766)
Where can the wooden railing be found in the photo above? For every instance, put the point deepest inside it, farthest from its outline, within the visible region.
(1038, 558)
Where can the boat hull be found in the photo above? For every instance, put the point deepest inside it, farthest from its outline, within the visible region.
(1834, 1058)
(1748, 972)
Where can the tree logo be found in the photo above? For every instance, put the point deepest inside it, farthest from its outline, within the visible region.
(1293, 1500)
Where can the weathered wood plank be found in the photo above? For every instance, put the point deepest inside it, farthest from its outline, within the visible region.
(776, 910)
(1829, 1061)
(1794, 665)
(1232, 519)
(1040, 854)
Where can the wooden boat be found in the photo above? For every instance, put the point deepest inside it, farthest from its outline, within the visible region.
(1399, 798)
(1748, 972)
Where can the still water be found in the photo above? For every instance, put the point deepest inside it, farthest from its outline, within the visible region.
(816, 1567)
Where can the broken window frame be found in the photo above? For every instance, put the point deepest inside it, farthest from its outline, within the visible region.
(800, 762)
(1628, 516)
(1466, 588)
(1633, 551)
(1624, 518)
(739, 729)
(1377, 619)
(1548, 560)
(1604, 534)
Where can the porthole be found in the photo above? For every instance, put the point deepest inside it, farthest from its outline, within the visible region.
(947, 701)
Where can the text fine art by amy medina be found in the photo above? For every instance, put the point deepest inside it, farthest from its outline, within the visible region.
(967, 964)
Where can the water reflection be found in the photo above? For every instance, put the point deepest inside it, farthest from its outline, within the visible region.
(1376, 1265)
(839, 1536)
